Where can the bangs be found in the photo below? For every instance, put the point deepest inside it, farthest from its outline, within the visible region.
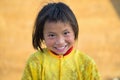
(57, 17)
(56, 13)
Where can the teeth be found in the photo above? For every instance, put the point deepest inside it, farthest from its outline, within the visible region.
(61, 48)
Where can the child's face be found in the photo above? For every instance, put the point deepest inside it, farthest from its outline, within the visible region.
(59, 37)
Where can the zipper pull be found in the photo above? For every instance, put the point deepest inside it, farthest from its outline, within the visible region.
(60, 56)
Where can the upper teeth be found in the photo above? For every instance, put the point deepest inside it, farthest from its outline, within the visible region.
(61, 48)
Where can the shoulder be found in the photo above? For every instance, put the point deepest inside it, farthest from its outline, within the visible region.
(36, 57)
(86, 62)
(84, 58)
(87, 66)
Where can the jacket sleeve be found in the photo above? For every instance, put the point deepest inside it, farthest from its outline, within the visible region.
(27, 75)
(32, 69)
(92, 72)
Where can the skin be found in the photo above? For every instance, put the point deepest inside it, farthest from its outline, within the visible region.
(59, 37)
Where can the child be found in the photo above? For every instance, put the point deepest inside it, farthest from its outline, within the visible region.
(57, 27)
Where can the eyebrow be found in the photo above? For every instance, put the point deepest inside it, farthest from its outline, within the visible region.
(55, 32)
(51, 33)
(66, 30)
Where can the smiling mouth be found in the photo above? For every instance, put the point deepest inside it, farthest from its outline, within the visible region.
(61, 49)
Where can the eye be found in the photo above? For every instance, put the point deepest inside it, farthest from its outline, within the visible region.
(66, 32)
(51, 35)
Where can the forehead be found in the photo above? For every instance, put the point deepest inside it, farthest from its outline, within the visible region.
(57, 26)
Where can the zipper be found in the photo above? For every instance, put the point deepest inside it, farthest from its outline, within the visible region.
(60, 66)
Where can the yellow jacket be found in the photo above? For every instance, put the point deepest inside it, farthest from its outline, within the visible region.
(48, 66)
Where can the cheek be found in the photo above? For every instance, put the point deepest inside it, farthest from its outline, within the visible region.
(49, 43)
(70, 39)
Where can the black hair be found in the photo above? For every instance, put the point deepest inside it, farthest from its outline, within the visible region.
(52, 12)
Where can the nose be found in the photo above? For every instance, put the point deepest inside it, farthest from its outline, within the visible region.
(60, 40)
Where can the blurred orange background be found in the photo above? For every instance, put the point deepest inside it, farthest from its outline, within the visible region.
(99, 34)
